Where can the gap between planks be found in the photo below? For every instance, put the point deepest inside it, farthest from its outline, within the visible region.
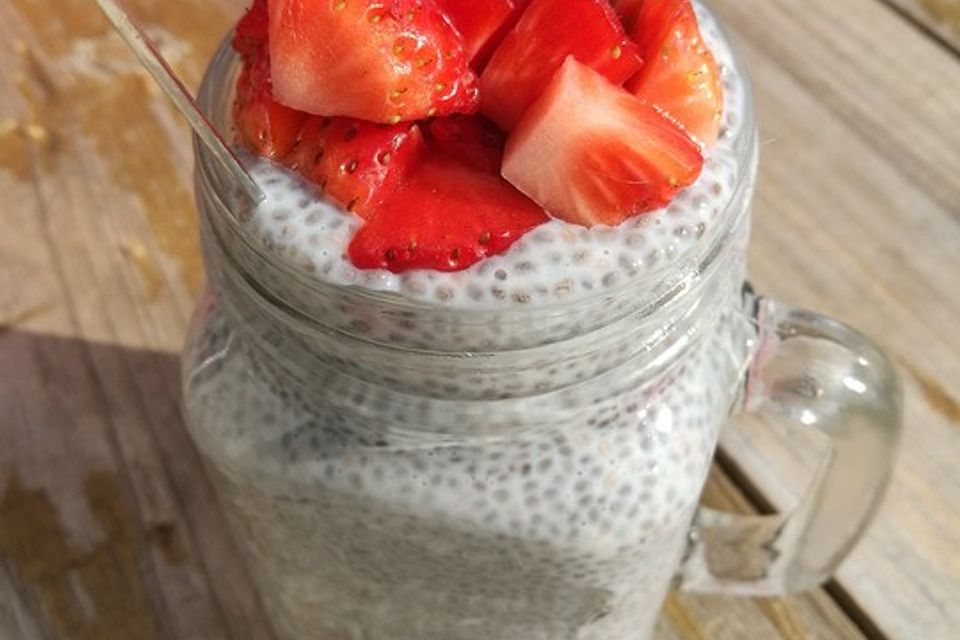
(949, 41)
(758, 501)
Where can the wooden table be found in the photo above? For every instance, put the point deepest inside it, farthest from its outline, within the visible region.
(108, 527)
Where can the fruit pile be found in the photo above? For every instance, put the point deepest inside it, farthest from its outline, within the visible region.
(453, 127)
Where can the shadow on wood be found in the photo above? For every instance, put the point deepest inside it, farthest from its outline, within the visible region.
(108, 527)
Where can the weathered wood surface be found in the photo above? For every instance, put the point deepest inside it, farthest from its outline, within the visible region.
(108, 527)
(858, 215)
(940, 17)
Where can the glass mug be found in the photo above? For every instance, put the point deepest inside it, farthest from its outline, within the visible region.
(401, 471)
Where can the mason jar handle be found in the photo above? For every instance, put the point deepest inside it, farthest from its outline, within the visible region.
(811, 372)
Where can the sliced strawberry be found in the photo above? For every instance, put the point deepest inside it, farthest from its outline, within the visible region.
(472, 140)
(379, 60)
(548, 32)
(264, 125)
(446, 217)
(355, 162)
(482, 57)
(251, 33)
(477, 20)
(680, 78)
(591, 153)
(628, 10)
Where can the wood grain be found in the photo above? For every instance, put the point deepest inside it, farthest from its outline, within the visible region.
(110, 529)
(858, 215)
(941, 17)
(108, 526)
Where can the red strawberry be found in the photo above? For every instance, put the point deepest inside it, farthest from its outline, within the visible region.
(477, 20)
(681, 78)
(250, 36)
(549, 31)
(446, 217)
(628, 10)
(264, 125)
(591, 153)
(483, 56)
(472, 140)
(380, 60)
(355, 162)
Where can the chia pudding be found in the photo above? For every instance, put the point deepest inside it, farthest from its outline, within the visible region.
(510, 452)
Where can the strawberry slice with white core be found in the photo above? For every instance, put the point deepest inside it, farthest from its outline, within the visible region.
(446, 216)
(591, 153)
(354, 162)
(681, 78)
(379, 60)
(548, 32)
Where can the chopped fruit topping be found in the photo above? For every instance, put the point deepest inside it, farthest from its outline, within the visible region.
(265, 126)
(371, 59)
(374, 101)
(548, 31)
(591, 153)
(446, 216)
(472, 140)
(477, 20)
(628, 10)
(355, 162)
(252, 31)
(483, 57)
(680, 78)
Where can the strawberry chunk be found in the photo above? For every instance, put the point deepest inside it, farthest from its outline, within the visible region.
(264, 125)
(483, 56)
(472, 140)
(251, 33)
(370, 59)
(477, 20)
(591, 153)
(548, 32)
(446, 216)
(355, 162)
(681, 78)
(628, 10)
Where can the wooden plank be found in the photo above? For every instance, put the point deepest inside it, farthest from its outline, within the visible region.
(16, 621)
(109, 526)
(941, 17)
(90, 527)
(857, 215)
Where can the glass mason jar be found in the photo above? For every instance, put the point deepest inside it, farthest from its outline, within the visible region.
(397, 470)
